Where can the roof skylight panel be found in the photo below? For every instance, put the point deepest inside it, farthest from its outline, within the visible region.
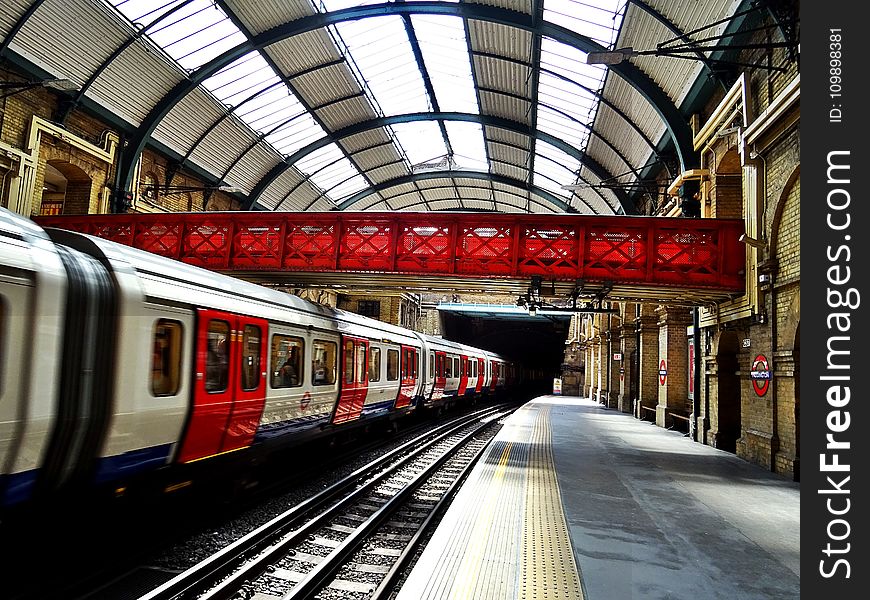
(239, 81)
(421, 140)
(596, 19)
(565, 96)
(196, 33)
(445, 53)
(382, 55)
(555, 164)
(297, 133)
(144, 12)
(347, 188)
(327, 167)
(468, 146)
(561, 126)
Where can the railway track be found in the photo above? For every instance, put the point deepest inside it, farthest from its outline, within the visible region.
(353, 538)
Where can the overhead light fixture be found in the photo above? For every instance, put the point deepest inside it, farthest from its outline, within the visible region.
(57, 83)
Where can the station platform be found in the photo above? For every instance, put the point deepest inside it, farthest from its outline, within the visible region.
(576, 501)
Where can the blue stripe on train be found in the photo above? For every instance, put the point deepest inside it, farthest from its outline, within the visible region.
(17, 487)
(132, 463)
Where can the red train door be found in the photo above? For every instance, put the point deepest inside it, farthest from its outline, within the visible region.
(463, 374)
(409, 377)
(229, 390)
(481, 373)
(440, 376)
(494, 376)
(354, 379)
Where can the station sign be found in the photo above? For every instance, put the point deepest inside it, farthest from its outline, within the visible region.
(760, 374)
(557, 386)
(663, 372)
(617, 356)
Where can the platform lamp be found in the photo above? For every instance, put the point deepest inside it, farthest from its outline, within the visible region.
(56, 83)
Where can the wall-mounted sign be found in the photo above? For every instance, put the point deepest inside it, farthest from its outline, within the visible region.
(691, 368)
(617, 356)
(746, 342)
(760, 374)
(557, 386)
(663, 371)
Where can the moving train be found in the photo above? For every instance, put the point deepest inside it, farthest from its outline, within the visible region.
(117, 364)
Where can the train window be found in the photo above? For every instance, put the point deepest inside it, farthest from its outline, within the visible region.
(455, 366)
(431, 366)
(348, 362)
(166, 358)
(392, 365)
(323, 362)
(448, 367)
(217, 356)
(374, 364)
(287, 353)
(360, 362)
(251, 336)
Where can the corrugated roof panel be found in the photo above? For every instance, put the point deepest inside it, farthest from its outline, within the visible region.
(409, 202)
(376, 157)
(480, 193)
(301, 198)
(524, 6)
(499, 105)
(517, 173)
(445, 205)
(253, 167)
(387, 172)
(326, 84)
(509, 137)
(367, 139)
(377, 205)
(635, 107)
(509, 154)
(188, 120)
(477, 204)
(598, 20)
(321, 205)
(607, 158)
(503, 76)
(445, 192)
(279, 188)
(511, 199)
(222, 146)
(623, 136)
(260, 16)
(346, 112)
(469, 182)
(10, 12)
(500, 39)
(303, 52)
(120, 87)
(404, 188)
(59, 37)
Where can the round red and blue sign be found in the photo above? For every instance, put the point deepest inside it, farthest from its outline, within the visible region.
(663, 372)
(760, 374)
(305, 401)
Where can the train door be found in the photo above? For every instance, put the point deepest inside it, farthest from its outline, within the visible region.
(480, 375)
(354, 379)
(230, 388)
(409, 377)
(440, 376)
(463, 374)
(494, 379)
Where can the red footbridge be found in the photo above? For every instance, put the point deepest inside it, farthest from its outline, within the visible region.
(670, 260)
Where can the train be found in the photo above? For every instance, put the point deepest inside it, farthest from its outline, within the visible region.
(116, 364)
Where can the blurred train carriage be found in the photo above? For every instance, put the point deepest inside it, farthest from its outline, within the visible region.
(117, 363)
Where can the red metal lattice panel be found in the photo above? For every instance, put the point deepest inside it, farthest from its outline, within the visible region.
(684, 256)
(163, 238)
(548, 250)
(257, 246)
(366, 245)
(208, 243)
(425, 249)
(310, 246)
(485, 249)
(616, 253)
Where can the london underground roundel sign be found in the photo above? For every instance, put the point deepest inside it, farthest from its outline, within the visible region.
(760, 375)
(663, 372)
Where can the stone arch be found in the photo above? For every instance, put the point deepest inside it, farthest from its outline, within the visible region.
(726, 425)
(77, 191)
(790, 193)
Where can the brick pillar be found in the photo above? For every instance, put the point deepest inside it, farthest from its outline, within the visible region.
(674, 350)
(612, 366)
(648, 381)
(627, 345)
(595, 348)
(588, 369)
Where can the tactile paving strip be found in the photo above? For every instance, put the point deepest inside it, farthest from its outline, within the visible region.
(505, 536)
(548, 568)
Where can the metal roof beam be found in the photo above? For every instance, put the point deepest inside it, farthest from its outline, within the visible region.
(484, 120)
(535, 64)
(677, 126)
(414, 177)
(523, 197)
